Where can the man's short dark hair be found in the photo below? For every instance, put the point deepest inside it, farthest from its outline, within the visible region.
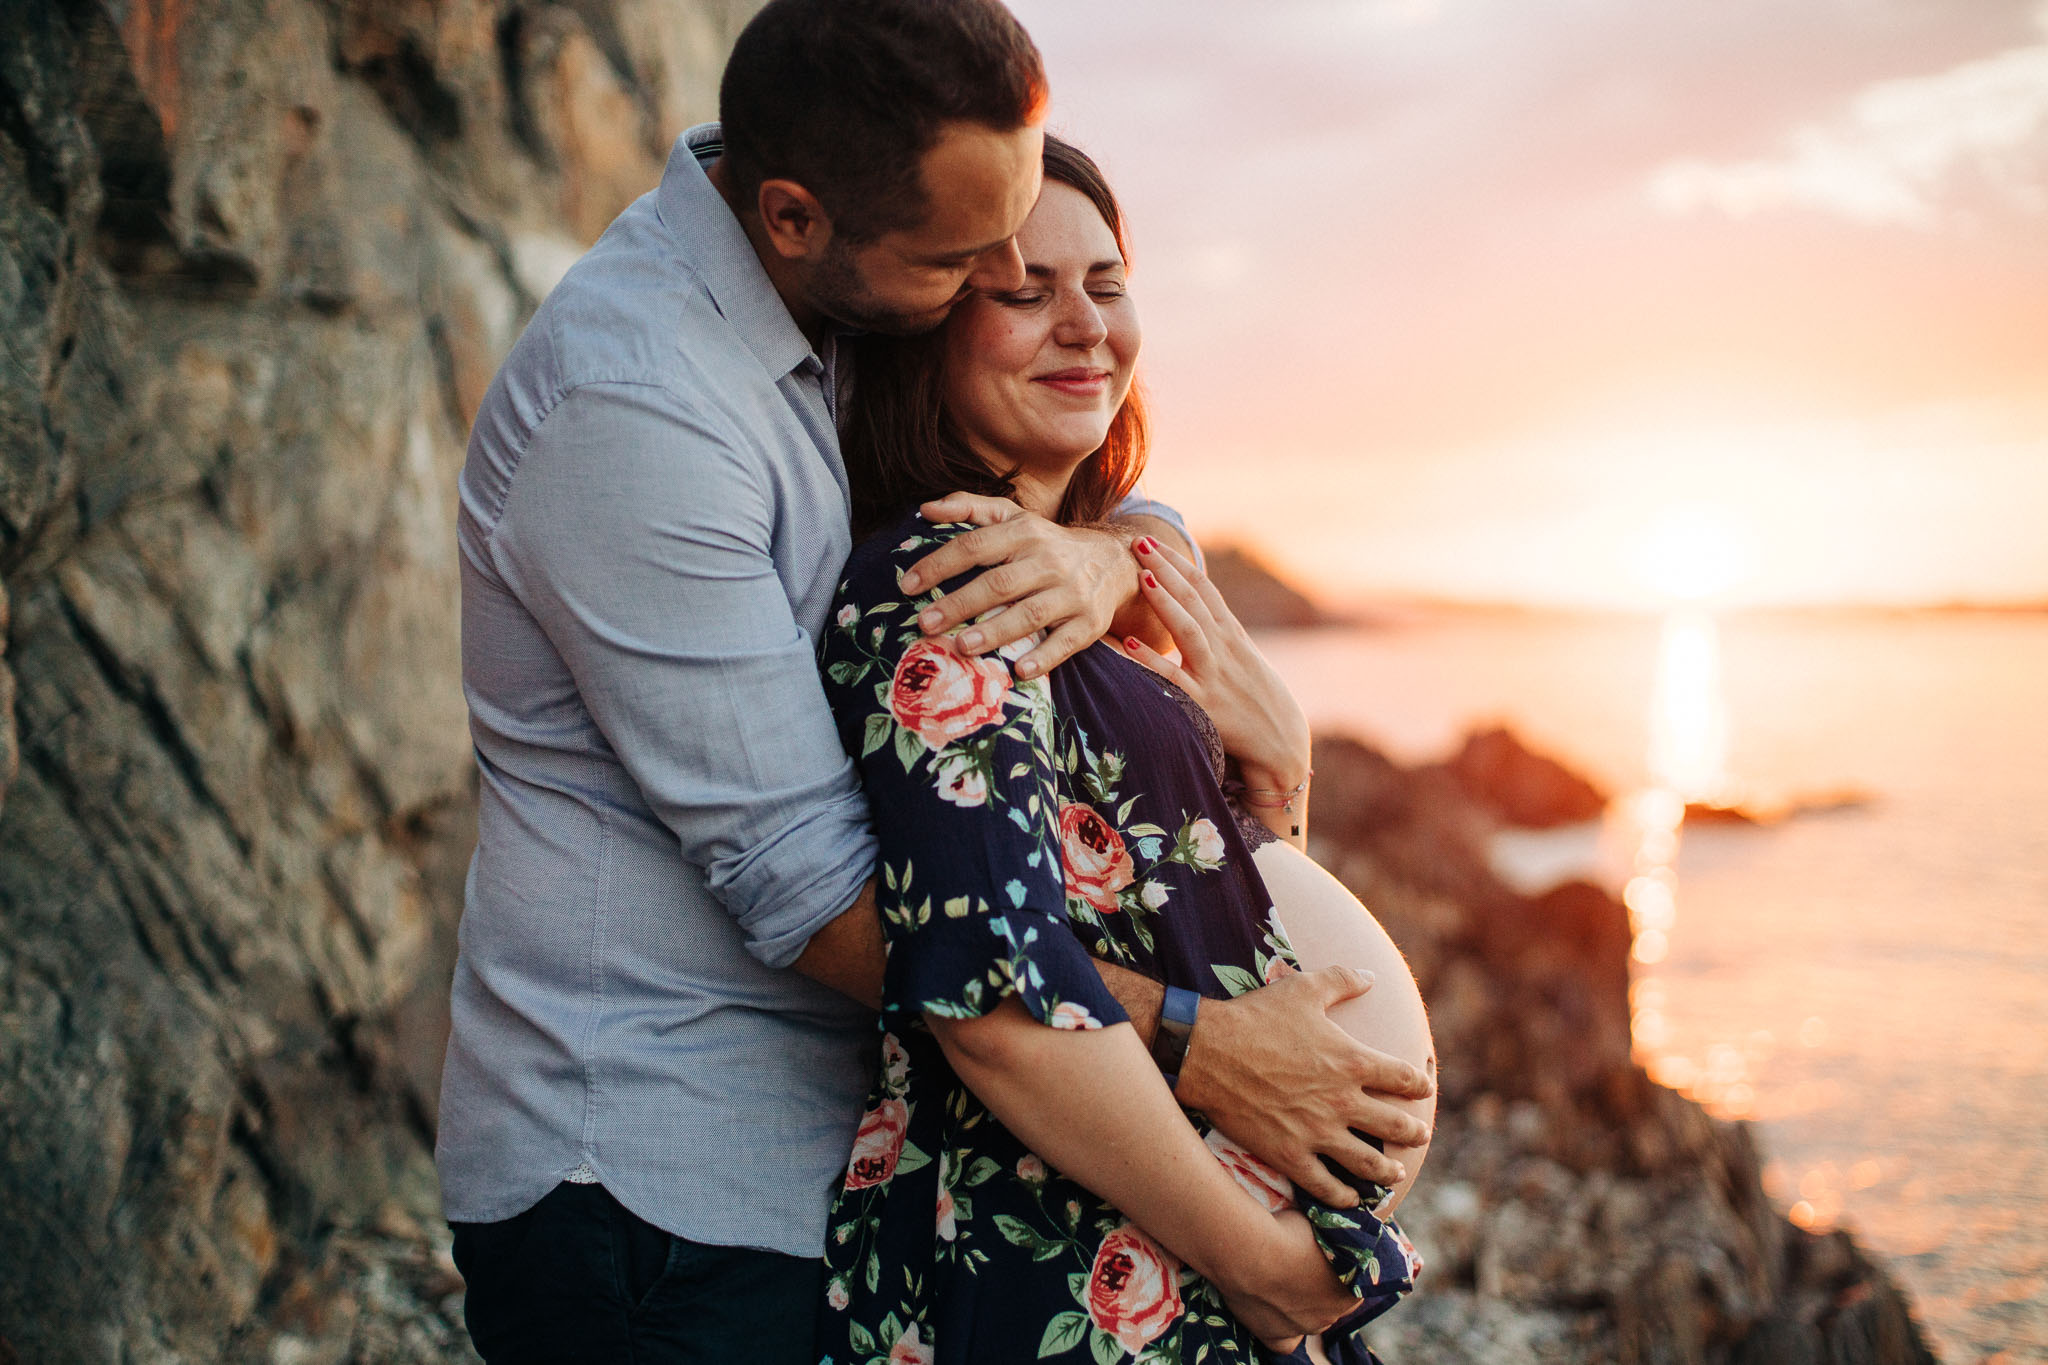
(846, 96)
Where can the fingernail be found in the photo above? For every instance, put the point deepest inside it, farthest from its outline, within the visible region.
(928, 619)
(1150, 581)
(1400, 1173)
(1145, 545)
(1131, 643)
(1028, 669)
(971, 640)
(911, 582)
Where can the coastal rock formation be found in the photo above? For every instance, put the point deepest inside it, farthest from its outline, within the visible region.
(1525, 789)
(1572, 1210)
(258, 260)
(1262, 599)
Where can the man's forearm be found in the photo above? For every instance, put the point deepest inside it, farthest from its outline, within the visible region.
(1139, 994)
(848, 953)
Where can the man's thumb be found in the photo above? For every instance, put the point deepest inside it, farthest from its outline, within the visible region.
(1340, 983)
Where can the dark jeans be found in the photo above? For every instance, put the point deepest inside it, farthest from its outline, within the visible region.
(579, 1278)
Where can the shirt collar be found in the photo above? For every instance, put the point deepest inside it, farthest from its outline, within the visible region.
(715, 245)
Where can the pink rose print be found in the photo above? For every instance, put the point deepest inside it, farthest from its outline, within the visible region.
(1031, 1169)
(1272, 1189)
(1277, 967)
(960, 782)
(877, 1145)
(895, 1065)
(848, 614)
(942, 695)
(909, 1350)
(1068, 1015)
(948, 1227)
(1093, 854)
(1133, 1289)
(1207, 843)
(1408, 1251)
(836, 1295)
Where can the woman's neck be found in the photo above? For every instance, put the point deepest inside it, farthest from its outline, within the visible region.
(1042, 491)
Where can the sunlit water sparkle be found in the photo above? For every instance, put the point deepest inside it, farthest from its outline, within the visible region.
(1866, 984)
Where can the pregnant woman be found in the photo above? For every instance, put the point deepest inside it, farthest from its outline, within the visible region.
(995, 1209)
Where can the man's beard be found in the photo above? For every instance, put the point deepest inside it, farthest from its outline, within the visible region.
(838, 291)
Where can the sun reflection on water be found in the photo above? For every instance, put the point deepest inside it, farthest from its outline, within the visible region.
(1688, 762)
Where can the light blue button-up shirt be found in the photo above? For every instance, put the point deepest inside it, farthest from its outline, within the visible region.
(653, 518)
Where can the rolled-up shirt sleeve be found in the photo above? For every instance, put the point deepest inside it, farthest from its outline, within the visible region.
(639, 535)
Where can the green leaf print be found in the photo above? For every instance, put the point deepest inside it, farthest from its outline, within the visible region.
(876, 732)
(1063, 1334)
(909, 746)
(1107, 1350)
(1236, 980)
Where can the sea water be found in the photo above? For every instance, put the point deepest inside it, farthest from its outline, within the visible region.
(1867, 983)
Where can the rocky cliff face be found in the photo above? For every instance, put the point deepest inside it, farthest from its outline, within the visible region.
(258, 260)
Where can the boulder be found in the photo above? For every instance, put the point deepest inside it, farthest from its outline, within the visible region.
(1523, 788)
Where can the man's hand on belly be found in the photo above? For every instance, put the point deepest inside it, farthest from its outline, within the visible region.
(1272, 1071)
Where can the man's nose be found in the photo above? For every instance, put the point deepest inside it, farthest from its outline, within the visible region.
(1000, 271)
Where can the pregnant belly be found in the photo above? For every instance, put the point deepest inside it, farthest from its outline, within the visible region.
(1328, 927)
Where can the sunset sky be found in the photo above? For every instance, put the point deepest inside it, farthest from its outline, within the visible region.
(1589, 302)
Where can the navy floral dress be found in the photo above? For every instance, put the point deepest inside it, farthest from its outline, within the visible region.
(1027, 829)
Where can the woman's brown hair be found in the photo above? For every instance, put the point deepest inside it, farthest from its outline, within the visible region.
(902, 449)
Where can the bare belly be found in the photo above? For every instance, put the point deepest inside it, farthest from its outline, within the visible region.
(1328, 926)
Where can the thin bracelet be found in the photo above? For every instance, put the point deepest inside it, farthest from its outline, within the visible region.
(1287, 798)
(1176, 1026)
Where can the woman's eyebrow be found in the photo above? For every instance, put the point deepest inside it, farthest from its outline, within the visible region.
(1047, 272)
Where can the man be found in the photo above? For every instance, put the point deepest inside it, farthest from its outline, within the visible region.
(644, 1108)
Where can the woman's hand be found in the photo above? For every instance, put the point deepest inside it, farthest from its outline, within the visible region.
(1295, 1292)
(1261, 724)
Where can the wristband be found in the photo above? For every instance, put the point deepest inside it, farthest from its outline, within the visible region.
(1176, 1026)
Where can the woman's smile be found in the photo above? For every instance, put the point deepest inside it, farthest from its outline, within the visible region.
(1080, 381)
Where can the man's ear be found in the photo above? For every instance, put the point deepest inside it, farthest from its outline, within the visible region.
(797, 224)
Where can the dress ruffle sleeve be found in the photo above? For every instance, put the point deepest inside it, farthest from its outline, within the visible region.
(1374, 1259)
(957, 760)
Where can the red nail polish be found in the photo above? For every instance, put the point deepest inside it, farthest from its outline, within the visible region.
(1146, 545)
(1131, 643)
(1150, 581)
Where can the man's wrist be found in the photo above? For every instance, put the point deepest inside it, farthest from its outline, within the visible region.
(1190, 1086)
(1177, 1013)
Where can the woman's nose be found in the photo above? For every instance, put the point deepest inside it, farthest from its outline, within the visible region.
(1080, 322)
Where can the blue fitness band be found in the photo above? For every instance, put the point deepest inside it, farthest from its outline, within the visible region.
(1176, 1026)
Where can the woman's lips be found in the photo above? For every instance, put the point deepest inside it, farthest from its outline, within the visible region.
(1082, 383)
